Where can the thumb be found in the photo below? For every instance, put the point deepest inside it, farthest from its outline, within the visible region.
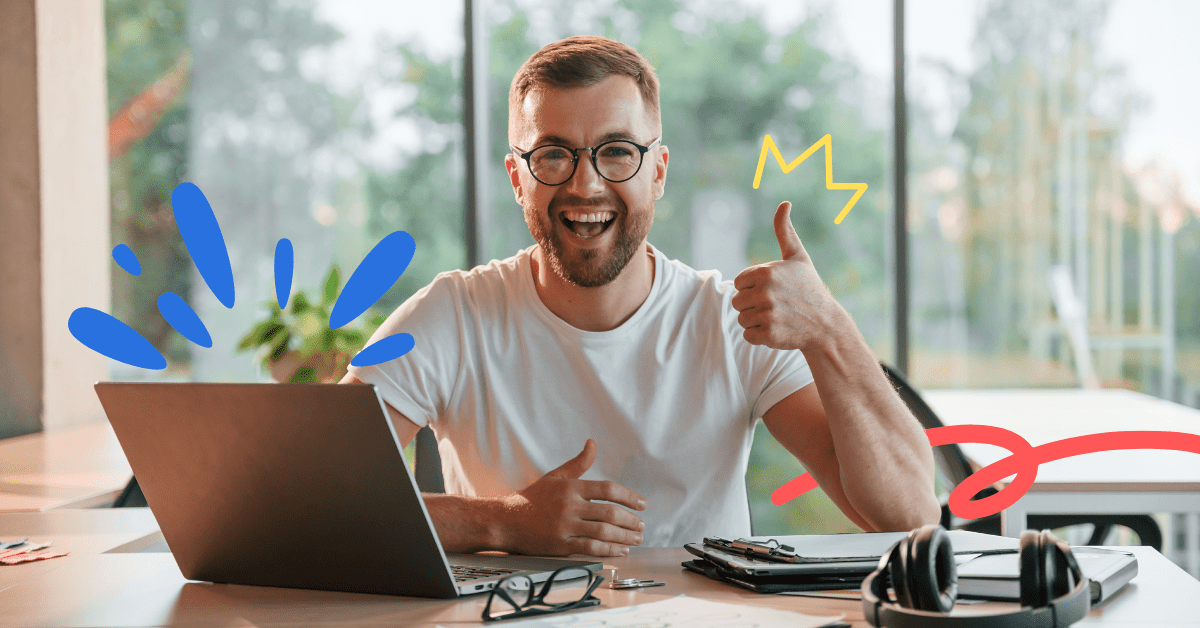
(577, 466)
(789, 242)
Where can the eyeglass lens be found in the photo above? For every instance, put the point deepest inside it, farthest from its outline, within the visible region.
(616, 161)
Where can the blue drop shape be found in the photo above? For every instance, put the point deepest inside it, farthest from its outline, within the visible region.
(104, 334)
(384, 349)
(283, 271)
(127, 259)
(374, 275)
(183, 318)
(202, 236)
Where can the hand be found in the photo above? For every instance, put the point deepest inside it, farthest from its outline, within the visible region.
(784, 304)
(555, 516)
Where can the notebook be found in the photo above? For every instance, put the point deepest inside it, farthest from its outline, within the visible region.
(292, 485)
(996, 577)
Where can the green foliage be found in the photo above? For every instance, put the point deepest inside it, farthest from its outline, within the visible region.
(304, 327)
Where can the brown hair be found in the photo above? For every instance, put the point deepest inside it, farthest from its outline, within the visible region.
(582, 61)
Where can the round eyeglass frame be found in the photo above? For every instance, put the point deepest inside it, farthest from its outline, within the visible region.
(575, 158)
(530, 608)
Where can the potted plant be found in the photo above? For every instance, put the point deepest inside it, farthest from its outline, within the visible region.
(296, 343)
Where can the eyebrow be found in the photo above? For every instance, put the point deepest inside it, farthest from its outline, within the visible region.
(607, 137)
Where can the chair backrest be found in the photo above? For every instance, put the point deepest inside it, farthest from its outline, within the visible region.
(951, 460)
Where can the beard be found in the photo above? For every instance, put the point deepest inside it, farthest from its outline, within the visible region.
(589, 267)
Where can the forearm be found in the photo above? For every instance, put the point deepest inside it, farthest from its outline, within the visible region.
(885, 462)
(467, 524)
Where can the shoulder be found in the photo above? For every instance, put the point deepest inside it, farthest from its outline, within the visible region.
(695, 287)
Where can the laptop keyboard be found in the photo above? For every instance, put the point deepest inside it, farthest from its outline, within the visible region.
(463, 573)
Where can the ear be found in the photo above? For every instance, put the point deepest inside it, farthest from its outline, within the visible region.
(660, 170)
(514, 176)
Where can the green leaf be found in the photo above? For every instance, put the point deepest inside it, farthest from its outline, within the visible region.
(300, 304)
(256, 336)
(278, 348)
(332, 281)
(304, 375)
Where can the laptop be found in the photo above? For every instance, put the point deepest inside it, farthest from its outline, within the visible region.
(292, 485)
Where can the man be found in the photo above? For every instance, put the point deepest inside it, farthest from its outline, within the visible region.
(593, 339)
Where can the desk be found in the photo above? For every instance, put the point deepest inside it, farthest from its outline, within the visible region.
(79, 467)
(91, 588)
(1131, 481)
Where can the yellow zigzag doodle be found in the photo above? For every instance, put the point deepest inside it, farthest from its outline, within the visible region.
(827, 142)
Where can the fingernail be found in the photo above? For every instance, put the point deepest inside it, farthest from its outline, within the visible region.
(641, 504)
(625, 551)
(641, 525)
(637, 540)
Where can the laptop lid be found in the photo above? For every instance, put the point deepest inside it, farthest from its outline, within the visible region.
(290, 485)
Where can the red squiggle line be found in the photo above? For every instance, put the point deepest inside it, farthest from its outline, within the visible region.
(1023, 461)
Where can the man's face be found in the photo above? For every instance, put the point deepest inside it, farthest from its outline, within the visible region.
(588, 228)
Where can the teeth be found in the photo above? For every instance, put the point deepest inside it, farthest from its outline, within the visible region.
(593, 217)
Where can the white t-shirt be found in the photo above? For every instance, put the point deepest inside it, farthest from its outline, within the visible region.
(512, 391)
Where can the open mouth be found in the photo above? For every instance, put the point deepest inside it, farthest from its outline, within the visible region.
(588, 225)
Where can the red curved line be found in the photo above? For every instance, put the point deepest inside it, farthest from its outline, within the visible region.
(793, 489)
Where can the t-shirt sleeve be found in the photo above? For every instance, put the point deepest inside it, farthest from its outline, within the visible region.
(420, 383)
(768, 375)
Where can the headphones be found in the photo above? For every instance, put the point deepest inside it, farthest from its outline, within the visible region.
(923, 576)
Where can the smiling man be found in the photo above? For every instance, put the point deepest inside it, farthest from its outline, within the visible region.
(589, 394)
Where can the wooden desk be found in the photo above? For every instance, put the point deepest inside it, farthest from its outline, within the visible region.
(91, 588)
(78, 467)
(1130, 481)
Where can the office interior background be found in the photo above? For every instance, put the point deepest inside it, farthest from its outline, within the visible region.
(1043, 139)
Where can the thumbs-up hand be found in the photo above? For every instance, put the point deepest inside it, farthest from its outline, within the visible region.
(555, 516)
(784, 304)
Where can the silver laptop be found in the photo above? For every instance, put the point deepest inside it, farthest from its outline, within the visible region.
(291, 485)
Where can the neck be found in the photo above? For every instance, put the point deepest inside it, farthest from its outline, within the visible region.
(595, 309)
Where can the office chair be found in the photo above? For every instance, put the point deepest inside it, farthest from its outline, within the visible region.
(953, 464)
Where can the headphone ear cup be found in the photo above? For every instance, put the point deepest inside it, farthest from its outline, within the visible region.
(1034, 583)
(1062, 580)
(898, 572)
(932, 576)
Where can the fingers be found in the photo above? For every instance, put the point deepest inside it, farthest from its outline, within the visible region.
(610, 491)
(592, 547)
(609, 533)
(614, 516)
(577, 466)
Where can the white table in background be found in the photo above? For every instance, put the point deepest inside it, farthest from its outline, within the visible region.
(1116, 482)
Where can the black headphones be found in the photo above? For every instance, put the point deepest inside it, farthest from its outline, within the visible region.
(921, 569)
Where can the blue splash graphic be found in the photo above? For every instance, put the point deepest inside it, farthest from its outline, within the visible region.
(202, 236)
(283, 271)
(183, 318)
(384, 349)
(127, 259)
(108, 336)
(378, 271)
(374, 275)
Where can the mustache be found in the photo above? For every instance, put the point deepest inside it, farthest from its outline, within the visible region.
(598, 204)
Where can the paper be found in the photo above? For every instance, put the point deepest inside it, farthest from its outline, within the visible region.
(678, 611)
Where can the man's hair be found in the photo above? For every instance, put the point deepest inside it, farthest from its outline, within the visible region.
(581, 61)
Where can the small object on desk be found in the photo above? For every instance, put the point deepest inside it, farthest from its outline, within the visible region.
(634, 583)
(28, 552)
(12, 544)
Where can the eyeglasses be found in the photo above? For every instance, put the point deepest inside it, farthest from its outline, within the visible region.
(517, 599)
(616, 161)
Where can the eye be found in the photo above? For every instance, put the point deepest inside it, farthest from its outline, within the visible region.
(552, 153)
(616, 151)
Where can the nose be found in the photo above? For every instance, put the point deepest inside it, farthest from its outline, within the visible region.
(586, 181)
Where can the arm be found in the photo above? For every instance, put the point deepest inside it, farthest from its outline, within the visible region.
(856, 436)
(554, 516)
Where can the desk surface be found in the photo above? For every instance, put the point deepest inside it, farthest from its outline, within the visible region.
(1042, 416)
(90, 588)
(77, 467)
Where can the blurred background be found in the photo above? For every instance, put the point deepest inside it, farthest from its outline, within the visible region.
(1040, 134)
